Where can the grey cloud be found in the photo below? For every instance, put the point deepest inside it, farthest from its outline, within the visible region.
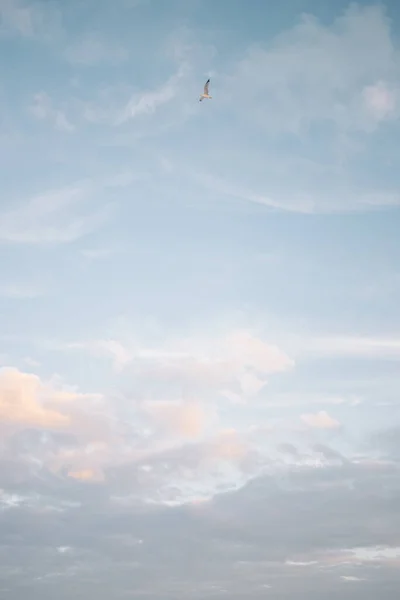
(387, 442)
(240, 542)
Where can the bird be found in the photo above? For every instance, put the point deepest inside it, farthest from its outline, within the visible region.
(205, 94)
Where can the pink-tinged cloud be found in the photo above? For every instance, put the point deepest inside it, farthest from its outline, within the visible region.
(187, 420)
(87, 475)
(320, 420)
(27, 401)
(228, 446)
(21, 402)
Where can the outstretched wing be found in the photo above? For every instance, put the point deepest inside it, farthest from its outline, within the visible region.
(206, 86)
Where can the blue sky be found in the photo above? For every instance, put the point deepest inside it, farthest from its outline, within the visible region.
(199, 301)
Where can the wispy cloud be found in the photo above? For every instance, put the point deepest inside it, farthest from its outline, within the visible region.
(312, 110)
(42, 108)
(357, 346)
(307, 203)
(311, 72)
(351, 578)
(48, 218)
(20, 291)
(94, 254)
(219, 186)
(148, 102)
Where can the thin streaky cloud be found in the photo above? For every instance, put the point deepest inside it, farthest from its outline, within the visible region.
(367, 347)
(149, 102)
(54, 217)
(20, 291)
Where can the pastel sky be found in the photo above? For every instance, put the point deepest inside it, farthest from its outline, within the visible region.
(199, 302)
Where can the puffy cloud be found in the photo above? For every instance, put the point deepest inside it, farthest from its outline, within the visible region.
(320, 420)
(219, 489)
(24, 400)
(184, 419)
(48, 426)
(238, 362)
(229, 445)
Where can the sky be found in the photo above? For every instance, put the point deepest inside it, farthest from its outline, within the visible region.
(199, 301)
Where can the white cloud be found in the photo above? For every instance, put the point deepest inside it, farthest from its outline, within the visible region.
(299, 563)
(238, 362)
(355, 560)
(376, 553)
(64, 549)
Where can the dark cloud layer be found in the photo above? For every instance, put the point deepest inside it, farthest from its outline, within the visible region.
(296, 532)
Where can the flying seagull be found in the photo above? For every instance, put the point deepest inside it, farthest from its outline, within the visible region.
(205, 94)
